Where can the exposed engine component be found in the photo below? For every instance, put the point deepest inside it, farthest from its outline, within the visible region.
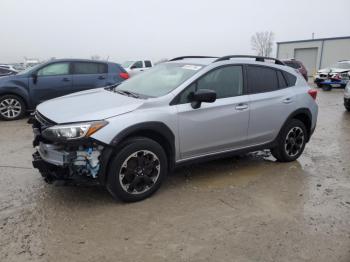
(87, 161)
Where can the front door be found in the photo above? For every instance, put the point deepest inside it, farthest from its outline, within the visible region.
(51, 81)
(219, 126)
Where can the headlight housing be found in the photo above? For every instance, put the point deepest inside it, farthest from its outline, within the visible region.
(73, 131)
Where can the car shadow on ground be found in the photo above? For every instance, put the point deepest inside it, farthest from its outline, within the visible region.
(217, 173)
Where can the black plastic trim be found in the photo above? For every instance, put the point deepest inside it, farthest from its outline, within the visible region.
(257, 58)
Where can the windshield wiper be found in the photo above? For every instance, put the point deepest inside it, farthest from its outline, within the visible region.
(128, 93)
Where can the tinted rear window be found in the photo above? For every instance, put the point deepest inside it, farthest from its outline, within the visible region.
(291, 79)
(89, 68)
(261, 79)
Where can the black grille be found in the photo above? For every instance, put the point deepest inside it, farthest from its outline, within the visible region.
(44, 122)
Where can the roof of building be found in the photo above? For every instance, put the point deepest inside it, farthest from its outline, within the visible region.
(316, 39)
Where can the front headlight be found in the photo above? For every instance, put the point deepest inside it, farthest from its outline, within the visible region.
(73, 131)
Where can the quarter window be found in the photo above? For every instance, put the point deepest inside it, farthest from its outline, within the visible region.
(54, 69)
(261, 79)
(148, 63)
(281, 81)
(89, 68)
(291, 79)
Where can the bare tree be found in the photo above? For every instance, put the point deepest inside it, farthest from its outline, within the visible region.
(262, 43)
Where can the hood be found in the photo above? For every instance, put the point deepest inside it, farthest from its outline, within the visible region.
(95, 104)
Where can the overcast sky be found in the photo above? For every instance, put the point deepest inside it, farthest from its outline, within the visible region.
(159, 28)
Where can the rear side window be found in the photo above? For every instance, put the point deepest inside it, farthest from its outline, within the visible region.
(291, 79)
(89, 68)
(148, 63)
(261, 79)
(281, 81)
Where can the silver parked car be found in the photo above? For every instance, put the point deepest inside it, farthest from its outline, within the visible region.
(130, 137)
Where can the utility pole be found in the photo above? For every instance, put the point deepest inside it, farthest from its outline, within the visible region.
(313, 35)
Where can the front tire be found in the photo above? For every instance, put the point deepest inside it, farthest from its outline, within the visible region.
(326, 87)
(12, 107)
(347, 108)
(137, 170)
(291, 141)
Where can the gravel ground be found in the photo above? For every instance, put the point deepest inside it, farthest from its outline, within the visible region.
(246, 208)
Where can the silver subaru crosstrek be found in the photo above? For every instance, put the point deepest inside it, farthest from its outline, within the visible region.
(129, 137)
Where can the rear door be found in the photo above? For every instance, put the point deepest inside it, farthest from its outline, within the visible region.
(271, 102)
(53, 80)
(89, 75)
(219, 126)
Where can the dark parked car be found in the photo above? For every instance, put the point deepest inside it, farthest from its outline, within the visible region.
(6, 72)
(298, 66)
(23, 92)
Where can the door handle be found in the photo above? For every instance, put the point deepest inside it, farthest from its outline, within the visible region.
(101, 77)
(66, 79)
(287, 100)
(241, 107)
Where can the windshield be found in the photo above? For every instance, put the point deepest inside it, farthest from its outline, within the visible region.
(159, 80)
(341, 65)
(127, 64)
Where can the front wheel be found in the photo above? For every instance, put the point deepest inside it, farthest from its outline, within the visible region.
(12, 107)
(291, 141)
(137, 170)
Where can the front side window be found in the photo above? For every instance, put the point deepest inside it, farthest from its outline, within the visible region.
(261, 79)
(54, 69)
(89, 68)
(137, 64)
(225, 81)
(159, 80)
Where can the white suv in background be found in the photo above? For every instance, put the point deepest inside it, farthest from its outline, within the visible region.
(135, 67)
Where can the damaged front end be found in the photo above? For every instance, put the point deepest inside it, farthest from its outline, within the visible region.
(63, 159)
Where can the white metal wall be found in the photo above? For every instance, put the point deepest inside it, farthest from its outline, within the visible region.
(329, 51)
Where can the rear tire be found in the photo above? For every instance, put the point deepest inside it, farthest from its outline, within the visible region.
(347, 108)
(12, 107)
(137, 170)
(291, 141)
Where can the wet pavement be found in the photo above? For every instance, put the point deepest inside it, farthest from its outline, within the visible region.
(246, 208)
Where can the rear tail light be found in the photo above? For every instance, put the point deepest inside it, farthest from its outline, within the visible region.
(312, 93)
(124, 75)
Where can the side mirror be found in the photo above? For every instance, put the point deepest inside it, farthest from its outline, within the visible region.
(133, 67)
(34, 77)
(202, 95)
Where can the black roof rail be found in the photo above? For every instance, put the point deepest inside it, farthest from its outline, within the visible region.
(257, 58)
(193, 56)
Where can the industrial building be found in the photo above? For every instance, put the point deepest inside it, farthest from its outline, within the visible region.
(316, 53)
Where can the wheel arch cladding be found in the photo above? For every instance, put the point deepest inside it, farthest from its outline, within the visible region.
(156, 131)
(305, 116)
